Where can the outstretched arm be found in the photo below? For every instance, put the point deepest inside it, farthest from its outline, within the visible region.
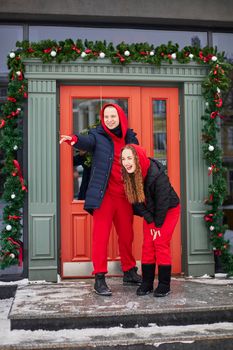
(84, 142)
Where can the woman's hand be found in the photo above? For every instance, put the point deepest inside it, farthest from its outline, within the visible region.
(155, 233)
(71, 140)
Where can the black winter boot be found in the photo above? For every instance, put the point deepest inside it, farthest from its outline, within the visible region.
(131, 277)
(164, 277)
(100, 286)
(148, 275)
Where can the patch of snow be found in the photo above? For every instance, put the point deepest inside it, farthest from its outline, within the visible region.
(22, 282)
(213, 281)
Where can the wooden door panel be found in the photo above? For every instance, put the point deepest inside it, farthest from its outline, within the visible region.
(76, 224)
(170, 96)
(81, 241)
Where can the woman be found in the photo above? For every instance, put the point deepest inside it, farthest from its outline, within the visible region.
(148, 188)
(105, 196)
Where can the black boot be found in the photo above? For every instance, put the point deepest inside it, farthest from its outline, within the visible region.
(131, 277)
(100, 286)
(164, 277)
(148, 275)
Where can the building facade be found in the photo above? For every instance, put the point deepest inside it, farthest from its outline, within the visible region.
(67, 97)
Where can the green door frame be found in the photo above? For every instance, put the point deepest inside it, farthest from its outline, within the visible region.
(43, 153)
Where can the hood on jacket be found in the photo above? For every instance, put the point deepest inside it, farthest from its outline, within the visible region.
(144, 161)
(122, 118)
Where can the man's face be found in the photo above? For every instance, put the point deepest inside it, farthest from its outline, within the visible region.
(128, 161)
(111, 118)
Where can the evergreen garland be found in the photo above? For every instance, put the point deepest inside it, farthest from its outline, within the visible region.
(214, 85)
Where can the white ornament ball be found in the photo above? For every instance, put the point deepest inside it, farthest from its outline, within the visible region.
(207, 104)
(12, 55)
(15, 148)
(218, 90)
(173, 55)
(212, 228)
(126, 53)
(12, 256)
(18, 73)
(211, 148)
(214, 58)
(8, 227)
(13, 196)
(102, 55)
(83, 54)
(53, 53)
(191, 56)
(19, 109)
(209, 168)
(152, 53)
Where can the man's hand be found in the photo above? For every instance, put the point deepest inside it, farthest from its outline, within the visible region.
(71, 140)
(155, 233)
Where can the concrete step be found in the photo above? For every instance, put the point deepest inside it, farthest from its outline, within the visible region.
(198, 337)
(75, 306)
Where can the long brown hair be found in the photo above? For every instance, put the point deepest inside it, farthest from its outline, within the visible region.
(133, 183)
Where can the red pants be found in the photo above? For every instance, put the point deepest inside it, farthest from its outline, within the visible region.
(158, 250)
(115, 210)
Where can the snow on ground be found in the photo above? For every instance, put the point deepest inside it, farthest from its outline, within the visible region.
(220, 279)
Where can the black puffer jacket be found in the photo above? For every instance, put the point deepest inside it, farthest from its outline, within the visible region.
(160, 195)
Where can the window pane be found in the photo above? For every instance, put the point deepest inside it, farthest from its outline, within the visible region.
(160, 131)
(117, 35)
(9, 35)
(224, 42)
(86, 113)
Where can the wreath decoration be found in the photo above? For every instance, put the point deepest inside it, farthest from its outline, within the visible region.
(214, 86)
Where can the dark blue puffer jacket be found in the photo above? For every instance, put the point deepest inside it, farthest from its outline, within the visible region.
(100, 144)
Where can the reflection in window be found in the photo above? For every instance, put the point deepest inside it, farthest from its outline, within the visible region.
(116, 35)
(224, 42)
(9, 35)
(86, 114)
(160, 131)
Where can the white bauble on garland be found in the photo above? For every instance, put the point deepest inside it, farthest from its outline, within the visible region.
(53, 53)
(127, 53)
(211, 148)
(12, 55)
(101, 54)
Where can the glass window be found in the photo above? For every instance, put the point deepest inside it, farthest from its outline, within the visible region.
(117, 35)
(85, 114)
(160, 131)
(224, 42)
(9, 35)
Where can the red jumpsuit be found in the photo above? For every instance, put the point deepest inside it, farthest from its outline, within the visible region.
(114, 208)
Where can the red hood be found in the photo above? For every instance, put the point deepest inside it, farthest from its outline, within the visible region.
(122, 117)
(143, 159)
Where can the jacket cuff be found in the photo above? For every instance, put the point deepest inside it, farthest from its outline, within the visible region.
(74, 139)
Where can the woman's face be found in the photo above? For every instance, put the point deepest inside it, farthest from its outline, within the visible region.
(111, 118)
(128, 161)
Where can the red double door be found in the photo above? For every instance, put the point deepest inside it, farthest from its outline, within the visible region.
(153, 114)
